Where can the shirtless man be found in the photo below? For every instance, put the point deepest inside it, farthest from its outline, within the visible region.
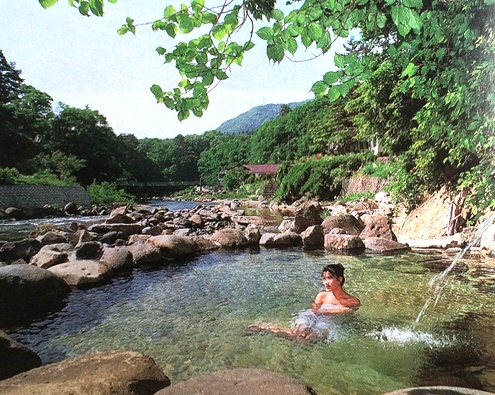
(334, 300)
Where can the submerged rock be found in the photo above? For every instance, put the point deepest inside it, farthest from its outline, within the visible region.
(240, 382)
(110, 372)
(15, 358)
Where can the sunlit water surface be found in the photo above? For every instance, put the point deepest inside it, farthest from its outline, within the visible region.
(192, 318)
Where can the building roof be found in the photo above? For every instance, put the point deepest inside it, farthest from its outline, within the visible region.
(263, 169)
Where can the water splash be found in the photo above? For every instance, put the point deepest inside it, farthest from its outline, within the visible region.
(410, 336)
(439, 282)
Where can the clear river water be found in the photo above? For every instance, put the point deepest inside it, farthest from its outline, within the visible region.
(191, 317)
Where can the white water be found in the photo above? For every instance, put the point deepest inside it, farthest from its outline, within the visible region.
(439, 283)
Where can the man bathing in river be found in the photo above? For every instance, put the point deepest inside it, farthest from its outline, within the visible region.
(334, 300)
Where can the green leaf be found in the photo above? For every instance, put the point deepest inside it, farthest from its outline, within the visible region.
(197, 5)
(278, 15)
(219, 32)
(275, 52)
(319, 88)
(221, 75)
(265, 33)
(292, 45)
(169, 12)
(413, 3)
(315, 31)
(209, 17)
(410, 70)
(48, 3)
(332, 77)
(157, 91)
(96, 7)
(248, 46)
(315, 13)
(84, 8)
(325, 41)
(381, 20)
(186, 24)
(161, 51)
(339, 60)
(172, 29)
(334, 93)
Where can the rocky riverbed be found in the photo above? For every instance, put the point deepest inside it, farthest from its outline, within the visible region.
(53, 260)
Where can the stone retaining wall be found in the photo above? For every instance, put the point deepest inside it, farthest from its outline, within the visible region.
(35, 196)
(352, 186)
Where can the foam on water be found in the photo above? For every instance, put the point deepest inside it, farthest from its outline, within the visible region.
(407, 336)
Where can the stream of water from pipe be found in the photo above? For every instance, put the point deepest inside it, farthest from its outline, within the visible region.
(439, 282)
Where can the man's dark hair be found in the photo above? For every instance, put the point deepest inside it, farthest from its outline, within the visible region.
(336, 269)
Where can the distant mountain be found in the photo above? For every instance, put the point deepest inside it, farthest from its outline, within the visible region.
(249, 121)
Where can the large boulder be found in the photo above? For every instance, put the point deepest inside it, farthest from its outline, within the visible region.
(308, 214)
(343, 242)
(286, 239)
(109, 372)
(21, 249)
(313, 237)
(240, 381)
(144, 253)
(84, 272)
(349, 223)
(172, 246)
(25, 287)
(230, 238)
(88, 250)
(378, 244)
(377, 226)
(15, 358)
(51, 255)
(117, 259)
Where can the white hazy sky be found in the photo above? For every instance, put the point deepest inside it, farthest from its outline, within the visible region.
(82, 61)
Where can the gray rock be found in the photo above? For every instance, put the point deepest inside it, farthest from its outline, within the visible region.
(15, 358)
(377, 226)
(88, 250)
(438, 390)
(343, 242)
(117, 259)
(384, 245)
(84, 272)
(20, 285)
(51, 255)
(22, 249)
(145, 253)
(110, 372)
(240, 382)
(125, 229)
(348, 222)
(286, 239)
(230, 238)
(313, 236)
(172, 246)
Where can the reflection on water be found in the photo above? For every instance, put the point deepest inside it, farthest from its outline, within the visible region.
(192, 318)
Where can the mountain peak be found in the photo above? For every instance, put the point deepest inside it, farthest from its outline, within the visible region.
(251, 120)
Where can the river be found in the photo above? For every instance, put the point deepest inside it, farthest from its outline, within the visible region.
(191, 317)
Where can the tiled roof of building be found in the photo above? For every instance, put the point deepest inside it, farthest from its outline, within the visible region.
(263, 169)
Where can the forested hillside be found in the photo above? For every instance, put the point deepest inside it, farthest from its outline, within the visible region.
(419, 81)
(251, 120)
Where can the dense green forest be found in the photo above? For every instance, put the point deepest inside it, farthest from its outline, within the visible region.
(419, 80)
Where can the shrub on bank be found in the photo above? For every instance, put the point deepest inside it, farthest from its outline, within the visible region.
(106, 193)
